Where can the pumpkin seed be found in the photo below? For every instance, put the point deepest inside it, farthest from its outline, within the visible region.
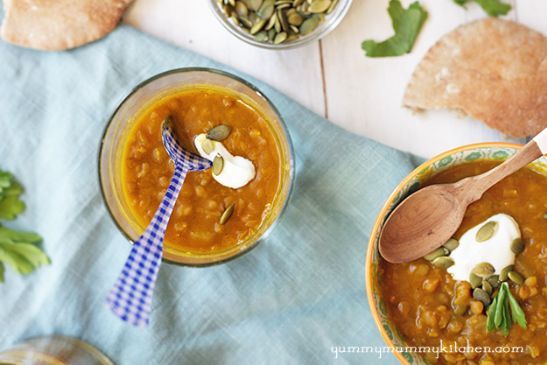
(319, 6)
(227, 213)
(219, 133)
(487, 287)
(435, 253)
(253, 5)
(494, 280)
(483, 270)
(207, 145)
(515, 277)
(444, 261)
(310, 24)
(257, 27)
(486, 231)
(283, 20)
(280, 38)
(451, 244)
(241, 9)
(261, 36)
(475, 280)
(218, 165)
(517, 246)
(267, 9)
(295, 19)
(505, 271)
(480, 294)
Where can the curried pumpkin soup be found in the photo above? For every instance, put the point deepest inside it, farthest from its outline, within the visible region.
(427, 305)
(208, 216)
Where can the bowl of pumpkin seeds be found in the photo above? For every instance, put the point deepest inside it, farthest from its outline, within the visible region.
(280, 24)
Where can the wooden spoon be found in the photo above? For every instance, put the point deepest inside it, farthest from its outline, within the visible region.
(428, 218)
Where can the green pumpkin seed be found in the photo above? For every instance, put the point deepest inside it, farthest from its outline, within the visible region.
(207, 145)
(517, 246)
(261, 36)
(227, 213)
(319, 6)
(443, 261)
(253, 5)
(241, 9)
(515, 277)
(219, 133)
(295, 19)
(505, 271)
(280, 38)
(267, 9)
(486, 231)
(480, 294)
(310, 24)
(494, 281)
(283, 20)
(474, 280)
(487, 287)
(436, 253)
(257, 27)
(483, 270)
(271, 22)
(451, 244)
(218, 165)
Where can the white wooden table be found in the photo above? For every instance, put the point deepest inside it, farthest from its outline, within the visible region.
(333, 77)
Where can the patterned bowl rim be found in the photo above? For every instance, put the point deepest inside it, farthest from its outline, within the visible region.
(379, 222)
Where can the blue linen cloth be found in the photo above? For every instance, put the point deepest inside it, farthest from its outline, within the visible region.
(289, 301)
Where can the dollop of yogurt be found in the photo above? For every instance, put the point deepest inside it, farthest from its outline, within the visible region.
(237, 171)
(496, 250)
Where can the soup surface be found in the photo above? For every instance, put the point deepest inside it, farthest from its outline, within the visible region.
(427, 305)
(195, 226)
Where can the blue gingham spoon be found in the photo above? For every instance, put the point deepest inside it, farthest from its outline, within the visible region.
(131, 297)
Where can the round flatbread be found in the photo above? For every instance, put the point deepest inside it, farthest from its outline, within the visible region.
(492, 70)
(54, 25)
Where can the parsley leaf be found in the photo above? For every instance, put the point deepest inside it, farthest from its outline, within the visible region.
(406, 24)
(18, 249)
(10, 190)
(491, 7)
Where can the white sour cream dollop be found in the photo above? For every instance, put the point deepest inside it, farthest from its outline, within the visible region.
(237, 170)
(496, 250)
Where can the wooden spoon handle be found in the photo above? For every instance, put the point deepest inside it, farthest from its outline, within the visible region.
(529, 153)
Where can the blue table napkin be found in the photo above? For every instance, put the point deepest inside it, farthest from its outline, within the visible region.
(289, 301)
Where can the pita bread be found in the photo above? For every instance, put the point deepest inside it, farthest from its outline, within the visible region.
(492, 70)
(54, 25)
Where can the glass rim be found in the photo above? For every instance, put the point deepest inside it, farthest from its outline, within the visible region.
(328, 26)
(282, 124)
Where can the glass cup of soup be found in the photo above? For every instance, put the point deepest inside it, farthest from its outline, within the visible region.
(211, 222)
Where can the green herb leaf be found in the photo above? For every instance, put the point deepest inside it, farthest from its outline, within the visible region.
(490, 312)
(10, 190)
(23, 257)
(516, 311)
(504, 311)
(406, 24)
(491, 7)
(498, 315)
(2, 270)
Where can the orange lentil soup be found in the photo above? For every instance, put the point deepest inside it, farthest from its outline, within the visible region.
(426, 305)
(195, 226)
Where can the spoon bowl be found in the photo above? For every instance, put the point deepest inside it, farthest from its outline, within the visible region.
(428, 218)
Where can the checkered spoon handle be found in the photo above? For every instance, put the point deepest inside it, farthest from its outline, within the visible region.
(131, 297)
